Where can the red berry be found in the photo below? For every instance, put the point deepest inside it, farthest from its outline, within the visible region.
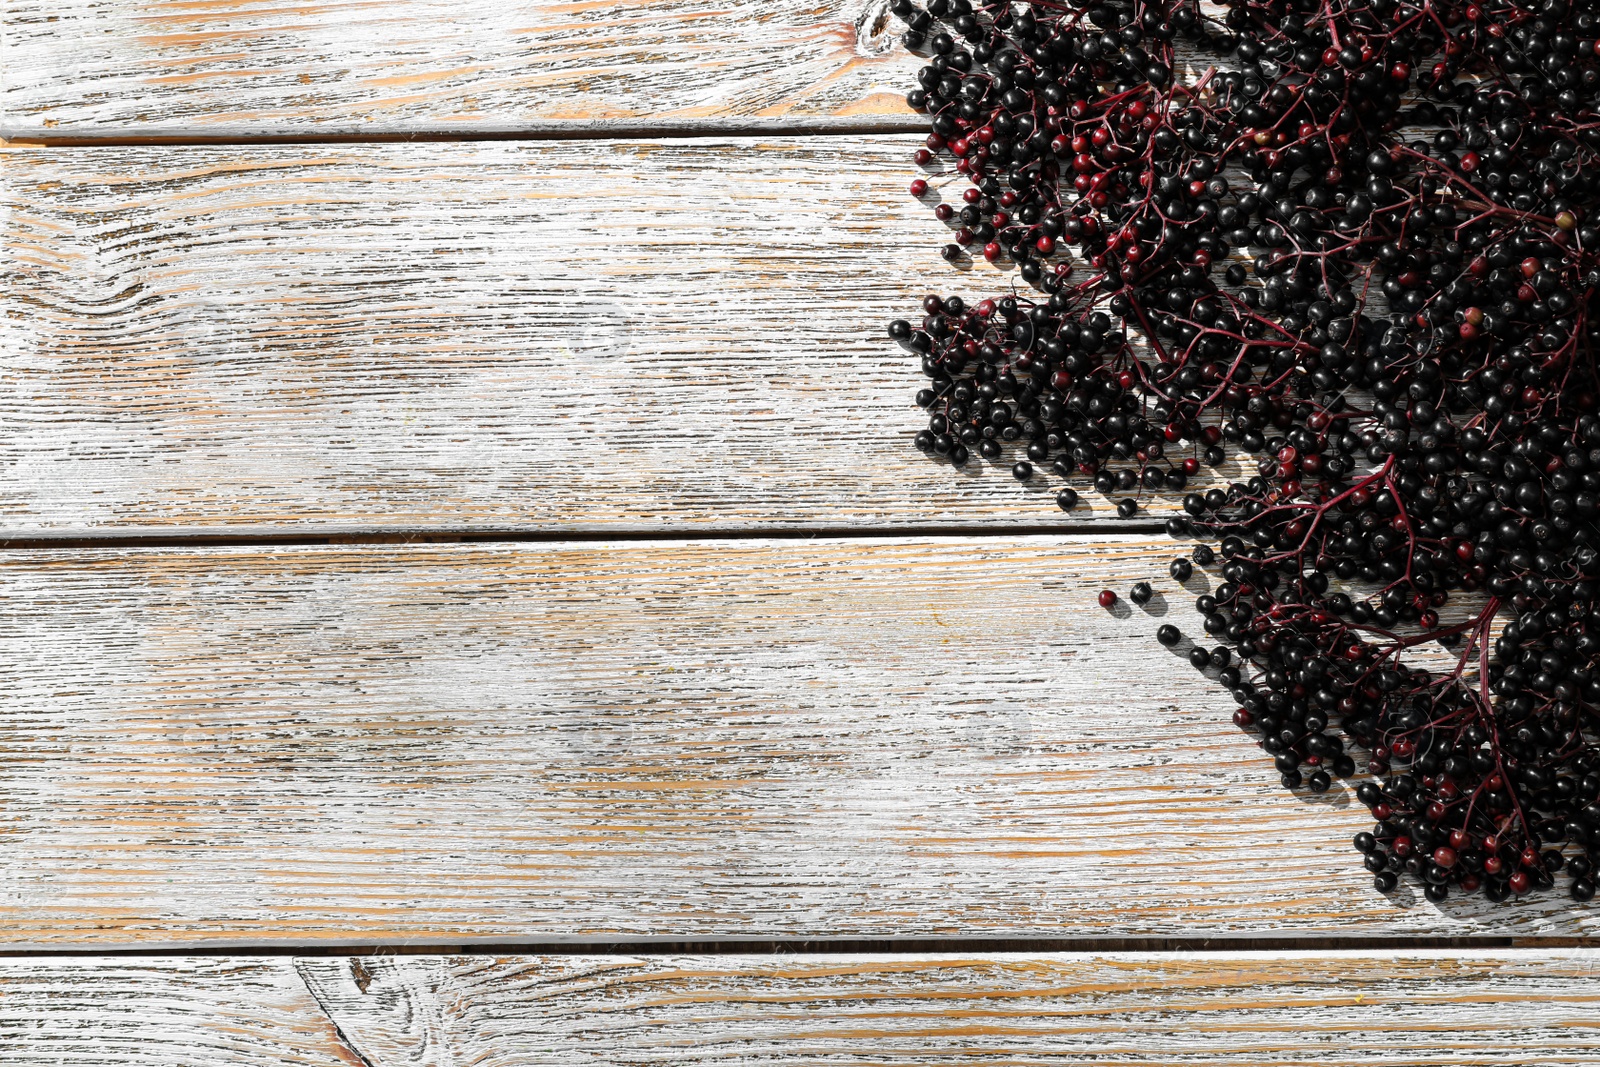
(1107, 598)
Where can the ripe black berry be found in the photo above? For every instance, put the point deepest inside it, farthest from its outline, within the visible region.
(1395, 334)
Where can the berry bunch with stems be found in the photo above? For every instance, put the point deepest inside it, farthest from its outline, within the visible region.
(1358, 241)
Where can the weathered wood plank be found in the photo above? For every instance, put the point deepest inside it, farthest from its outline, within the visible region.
(1334, 1009)
(171, 1012)
(224, 67)
(824, 738)
(558, 336)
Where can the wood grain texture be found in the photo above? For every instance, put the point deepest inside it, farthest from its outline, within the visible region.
(1350, 1009)
(889, 738)
(555, 336)
(247, 67)
(166, 1012)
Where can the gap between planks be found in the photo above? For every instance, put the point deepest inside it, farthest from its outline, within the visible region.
(611, 130)
(798, 946)
(175, 537)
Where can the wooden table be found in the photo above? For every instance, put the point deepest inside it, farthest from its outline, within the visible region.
(469, 596)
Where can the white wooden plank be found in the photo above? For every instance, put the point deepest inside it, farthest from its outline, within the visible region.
(167, 1012)
(248, 67)
(555, 336)
(1335, 1009)
(890, 738)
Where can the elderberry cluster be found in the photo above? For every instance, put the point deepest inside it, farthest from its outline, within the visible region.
(1359, 243)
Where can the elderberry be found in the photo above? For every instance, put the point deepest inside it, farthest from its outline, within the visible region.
(1361, 253)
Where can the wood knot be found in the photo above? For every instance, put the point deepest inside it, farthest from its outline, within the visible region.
(362, 976)
(872, 29)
